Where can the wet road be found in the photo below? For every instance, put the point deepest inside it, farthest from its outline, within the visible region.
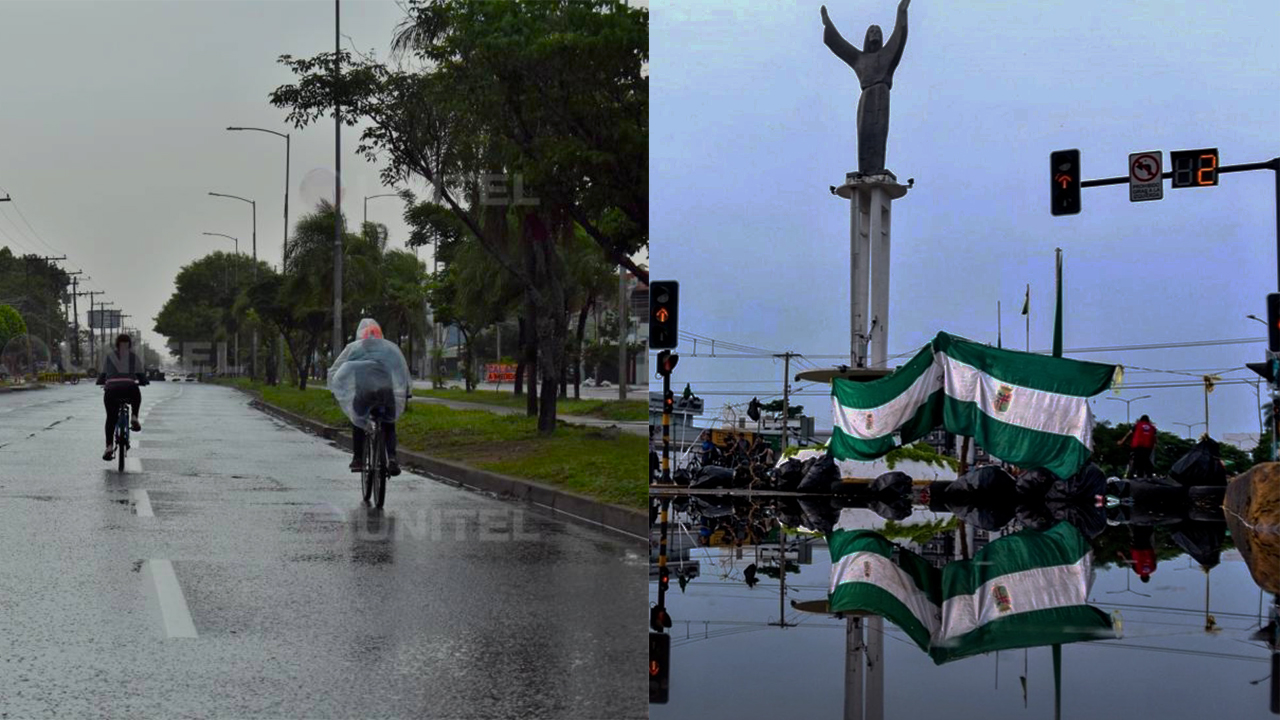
(232, 572)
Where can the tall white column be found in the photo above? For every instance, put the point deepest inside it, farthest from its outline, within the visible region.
(859, 275)
(879, 240)
(853, 660)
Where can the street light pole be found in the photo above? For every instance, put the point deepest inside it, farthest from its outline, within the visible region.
(253, 362)
(337, 189)
(367, 198)
(235, 281)
(1188, 426)
(1126, 405)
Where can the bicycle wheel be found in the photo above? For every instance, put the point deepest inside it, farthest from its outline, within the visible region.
(121, 444)
(379, 463)
(366, 473)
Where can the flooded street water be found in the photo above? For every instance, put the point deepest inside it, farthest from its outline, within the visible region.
(745, 650)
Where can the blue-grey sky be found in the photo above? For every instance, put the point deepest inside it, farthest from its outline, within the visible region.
(754, 118)
(112, 132)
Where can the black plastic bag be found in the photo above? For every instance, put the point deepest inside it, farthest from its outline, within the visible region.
(891, 486)
(820, 475)
(1035, 482)
(985, 514)
(1202, 541)
(1034, 516)
(983, 482)
(788, 475)
(1200, 466)
(1089, 519)
(713, 476)
(895, 509)
(1084, 487)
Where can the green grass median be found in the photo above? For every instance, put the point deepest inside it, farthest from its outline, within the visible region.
(618, 410)
(601, 463)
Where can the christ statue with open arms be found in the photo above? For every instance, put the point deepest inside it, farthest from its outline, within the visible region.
(874, 64)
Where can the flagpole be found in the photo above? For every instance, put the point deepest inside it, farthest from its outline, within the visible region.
(999, 326)
(1027, 306)
(1057, 313)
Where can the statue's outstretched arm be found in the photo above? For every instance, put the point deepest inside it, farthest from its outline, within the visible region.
(899, 37)
(834, 40)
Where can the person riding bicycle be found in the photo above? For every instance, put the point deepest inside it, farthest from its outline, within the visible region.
(121, 375)
(371, 374)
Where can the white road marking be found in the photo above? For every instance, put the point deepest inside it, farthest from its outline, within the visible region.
(165, 596)
(141, 502)
(132, 464)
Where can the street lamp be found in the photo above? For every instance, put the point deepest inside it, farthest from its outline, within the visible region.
(1126, 405)
(1188, 426)
(253, 359)
(286, 184)
(235, 281)
(367, 198)
(284, 246)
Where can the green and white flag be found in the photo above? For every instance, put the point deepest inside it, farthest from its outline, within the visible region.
(871, 574)
(1027, 589)
(1027, 409)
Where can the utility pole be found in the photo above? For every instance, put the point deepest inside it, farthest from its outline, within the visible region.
(76, 355)
(93, 353)
(102, 328)
(71, 306)
(624, 311)
(337, 191)
(786, 399)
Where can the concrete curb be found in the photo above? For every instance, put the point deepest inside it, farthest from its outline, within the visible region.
(633, 523)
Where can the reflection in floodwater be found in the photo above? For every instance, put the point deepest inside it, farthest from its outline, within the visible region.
(960, 579)
(372, 536)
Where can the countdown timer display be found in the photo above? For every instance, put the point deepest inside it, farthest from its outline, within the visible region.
(1194, 168)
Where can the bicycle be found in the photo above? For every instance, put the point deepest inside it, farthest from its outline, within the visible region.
(374, 471)
(122, 433)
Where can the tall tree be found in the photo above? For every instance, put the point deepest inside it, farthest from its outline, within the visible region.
(550, 95)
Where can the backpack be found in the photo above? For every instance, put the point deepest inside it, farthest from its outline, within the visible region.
(1144, 435)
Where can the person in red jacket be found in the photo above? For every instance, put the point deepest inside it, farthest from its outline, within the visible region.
(1142, 446)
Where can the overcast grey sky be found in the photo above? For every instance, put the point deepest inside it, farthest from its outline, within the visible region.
(112, 118)
(753, 119)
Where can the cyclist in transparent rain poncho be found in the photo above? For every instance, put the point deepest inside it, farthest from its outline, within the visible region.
(371, 373)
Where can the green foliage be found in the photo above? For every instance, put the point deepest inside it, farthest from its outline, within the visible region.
(620, 410)
(1262, 451)
(36, 289)
(920, 452)
(793, 450)
(11, 324)
(920, 532)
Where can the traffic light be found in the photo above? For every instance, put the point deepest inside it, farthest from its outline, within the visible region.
(664, 296)
(1064, 187)
(1273, 322)
(664, 579)
(667, 362)
(659, 667)
(668, 401)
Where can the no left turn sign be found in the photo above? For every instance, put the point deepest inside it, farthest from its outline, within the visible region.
(1145, 172)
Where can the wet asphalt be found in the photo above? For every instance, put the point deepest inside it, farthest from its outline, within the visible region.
(446, 604)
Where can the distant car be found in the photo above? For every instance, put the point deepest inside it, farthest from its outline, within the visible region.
(155, 374)
(190, 378)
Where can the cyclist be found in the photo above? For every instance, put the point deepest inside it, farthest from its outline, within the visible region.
(369, 373)
(121, 375)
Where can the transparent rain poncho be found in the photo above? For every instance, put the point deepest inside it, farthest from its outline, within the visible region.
(366, 368)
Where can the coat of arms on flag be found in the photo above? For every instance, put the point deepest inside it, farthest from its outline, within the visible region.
(1000, 594)
(870, 421)
(1003, 398)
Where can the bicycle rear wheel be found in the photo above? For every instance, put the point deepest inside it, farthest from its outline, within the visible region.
(121, 445)
(379, 462)
(366, 473)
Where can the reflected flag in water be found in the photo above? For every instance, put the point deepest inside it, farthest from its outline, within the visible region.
(1028, 589)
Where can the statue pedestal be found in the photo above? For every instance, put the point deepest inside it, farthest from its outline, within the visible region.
(870, 197)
